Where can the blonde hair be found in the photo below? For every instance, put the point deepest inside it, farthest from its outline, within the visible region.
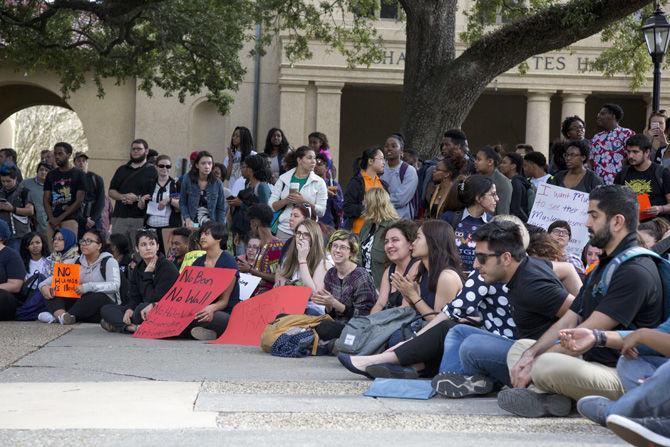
(525, 236)
(352, 240)
(378, 206)
(316, 250)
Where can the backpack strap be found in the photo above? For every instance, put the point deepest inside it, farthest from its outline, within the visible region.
(403, 170)
(619, 259)
(658, 173)
(103, 266)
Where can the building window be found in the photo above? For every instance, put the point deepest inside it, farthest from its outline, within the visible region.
(388, 9)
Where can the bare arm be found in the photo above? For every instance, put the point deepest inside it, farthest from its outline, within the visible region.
(568, 275)
(12, 285)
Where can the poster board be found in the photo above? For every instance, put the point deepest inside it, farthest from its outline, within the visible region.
(65, 280)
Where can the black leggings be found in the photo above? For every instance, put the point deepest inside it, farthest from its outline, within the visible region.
(427, 348)
(85, 309)
(8, 305)
(218, 324)
(113, 314)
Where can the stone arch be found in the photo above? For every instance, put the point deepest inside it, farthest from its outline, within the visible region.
(16, 97)
(208, 129)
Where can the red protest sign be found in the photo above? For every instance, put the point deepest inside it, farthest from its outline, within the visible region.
(250, 317)
(65, 280)
(195, 288)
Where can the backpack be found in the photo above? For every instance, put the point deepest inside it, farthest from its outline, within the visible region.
(284, 323)
(414, 203)
(123, 288)
(663, 271)
(366, 335)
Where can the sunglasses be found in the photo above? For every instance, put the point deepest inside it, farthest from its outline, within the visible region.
(482, 257)
(164, 166)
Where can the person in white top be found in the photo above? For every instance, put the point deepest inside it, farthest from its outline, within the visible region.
(535, 168)
(241, 146)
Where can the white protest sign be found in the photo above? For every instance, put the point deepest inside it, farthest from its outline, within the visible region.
(556, 203)
(248, 284)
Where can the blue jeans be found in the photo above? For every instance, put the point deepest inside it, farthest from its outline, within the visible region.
(649, 399)
(472, 351)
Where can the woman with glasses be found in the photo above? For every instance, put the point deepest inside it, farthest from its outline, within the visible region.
(201, 197)
(576, 176)
(371, 164)
(99, 284)
(305, 262)
(296, 187)
(475, 198)
(348, 290)
(65, 248)
(162, 206)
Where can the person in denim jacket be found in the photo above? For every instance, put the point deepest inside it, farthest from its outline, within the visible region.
(202, 198)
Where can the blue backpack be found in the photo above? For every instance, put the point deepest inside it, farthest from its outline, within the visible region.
(663, 271)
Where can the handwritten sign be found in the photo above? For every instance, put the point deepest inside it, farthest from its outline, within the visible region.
(556, 203)
(248, 284)
(195, 288)
(250, 317)
(65, 280)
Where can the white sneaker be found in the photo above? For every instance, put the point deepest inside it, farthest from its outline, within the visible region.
(66, 319)
(46, 317)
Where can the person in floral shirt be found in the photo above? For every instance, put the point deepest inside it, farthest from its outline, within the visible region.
(608, 147)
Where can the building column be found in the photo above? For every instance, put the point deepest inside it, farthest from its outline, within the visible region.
(292, 109)
(6, 134)
(574, 103)
(328, 102)
(538, 109)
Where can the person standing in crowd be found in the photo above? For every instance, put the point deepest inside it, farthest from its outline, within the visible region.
(276, 148)
(241, 146)
(608, 147)
(99, 284)
(573, 128)
(210, 322)
(378, 214)
(576, 176)
(15, 206)
(64, 192)
(201, 197)
(475, 201)
(219, 171)
(130, 182)
(348, 290)
(334, 212)
(560, 375)
(306, 262)
(371, 165)
(645, 177)
(12, 275)
(445, 175)
(455, 146)
(401, 178)
(318, 142)
(149, 281)
(266, 261)
(179, 245)
(523, 149)
(487, 165)
(561, 232)
(656, 131)
(35, 187)
(511, 167)
(9, 157)
(94, 200)
(47, 157)
(297, 187)
(162, 204)
(535, 167)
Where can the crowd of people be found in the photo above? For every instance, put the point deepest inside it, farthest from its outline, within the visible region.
(501, 305)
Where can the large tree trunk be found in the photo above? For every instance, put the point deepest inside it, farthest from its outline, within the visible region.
(440, 90)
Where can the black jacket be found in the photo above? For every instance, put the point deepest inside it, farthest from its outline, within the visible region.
(353, 199)
(519, 204)
(150, 287)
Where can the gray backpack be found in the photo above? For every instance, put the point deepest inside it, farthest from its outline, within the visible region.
(366, 335)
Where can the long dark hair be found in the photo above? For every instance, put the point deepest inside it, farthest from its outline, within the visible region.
(467, 190)
(246, 142)
(367, 155)
(260, 167)
(25, 244)
(442, 251)
(194, 172)
(283, 147)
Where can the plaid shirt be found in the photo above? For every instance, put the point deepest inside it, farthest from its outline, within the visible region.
(608, 151)
(356, 291)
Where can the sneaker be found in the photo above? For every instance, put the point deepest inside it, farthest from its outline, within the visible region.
(643, 432)
(109, 327)
(459, 385)
(200, 333)
(594, 408)
(529, 404)
(66, 319)
(391, 371)
(46, 317)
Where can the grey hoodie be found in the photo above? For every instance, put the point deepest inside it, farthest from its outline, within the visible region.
(91, 278)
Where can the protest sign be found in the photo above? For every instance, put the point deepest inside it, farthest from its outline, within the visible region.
(195, 288)
(556, 203)
(248, 284)
(65, 280)
(250, 317)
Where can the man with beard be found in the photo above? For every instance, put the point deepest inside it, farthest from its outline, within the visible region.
(130, 182)
(64, 190)
(634, 299)
(645, 177)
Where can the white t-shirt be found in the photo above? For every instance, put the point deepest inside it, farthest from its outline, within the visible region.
(538, 181)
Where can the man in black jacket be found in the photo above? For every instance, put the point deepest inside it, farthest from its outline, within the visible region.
(94, 200)
(149, 281)
(512, 167)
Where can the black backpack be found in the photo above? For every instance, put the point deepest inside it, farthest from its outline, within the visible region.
(123, 289)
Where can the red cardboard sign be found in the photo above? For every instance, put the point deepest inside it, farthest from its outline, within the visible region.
(195, 288)
(250, 317)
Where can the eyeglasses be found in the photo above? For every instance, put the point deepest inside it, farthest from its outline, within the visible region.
(572, 154)
(560, 232)
(482, 257)
(493, 195)
(340, 247)
(88, 242)
(579, 127)
(302, 235)
(56, 239)
(164, 166)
